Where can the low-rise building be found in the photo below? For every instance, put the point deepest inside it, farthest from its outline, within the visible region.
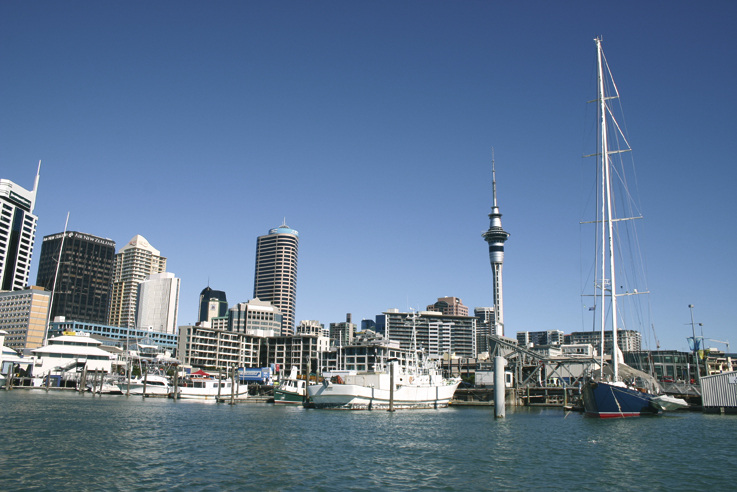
(431, 331)
(23, 315)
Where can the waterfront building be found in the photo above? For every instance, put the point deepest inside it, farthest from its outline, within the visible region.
(255, 317)
(367, 351)
(85, 269)
(496, 237)
(301, 351)
(17, 233)
(342, 333)
(166, 341)
(535, 338)
(134, 262)
(436, 333)
(210, 348)
(213, 304)
(368, 324)
(312, 327)
(485, 326)
(275, 278)
(23, 315)
(452, 306)
(158, 302)
(627, 340)
(666, 365)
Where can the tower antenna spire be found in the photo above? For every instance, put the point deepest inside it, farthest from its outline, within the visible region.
(493, 176)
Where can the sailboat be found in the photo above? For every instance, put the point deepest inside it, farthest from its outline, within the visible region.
(622, 391)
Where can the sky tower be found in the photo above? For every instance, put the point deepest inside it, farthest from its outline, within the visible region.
(496, 237)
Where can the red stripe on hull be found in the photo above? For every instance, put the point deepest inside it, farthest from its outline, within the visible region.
(614, 415)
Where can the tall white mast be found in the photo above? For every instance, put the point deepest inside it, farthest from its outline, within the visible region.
(607, 222)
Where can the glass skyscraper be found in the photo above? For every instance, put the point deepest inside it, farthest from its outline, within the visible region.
(85, 263)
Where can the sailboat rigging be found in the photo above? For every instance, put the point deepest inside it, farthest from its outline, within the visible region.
(627, 392)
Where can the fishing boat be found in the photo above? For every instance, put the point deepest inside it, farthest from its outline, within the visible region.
(210, 389)
(291, 390)
(397, 387)
(617, 390)
(406, 382)
(149, 385)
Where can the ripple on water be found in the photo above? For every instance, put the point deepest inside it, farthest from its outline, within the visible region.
(66, 441)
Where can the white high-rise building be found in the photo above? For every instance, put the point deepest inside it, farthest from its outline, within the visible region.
(134, 262)
(17, 233)
(275, 278)
(158, 303)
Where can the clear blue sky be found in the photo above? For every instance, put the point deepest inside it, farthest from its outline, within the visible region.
(369, 126)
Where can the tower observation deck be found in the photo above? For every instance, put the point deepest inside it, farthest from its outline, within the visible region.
(496, 237)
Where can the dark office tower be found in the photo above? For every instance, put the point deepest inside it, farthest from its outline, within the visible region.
(82, 291)
(213, 304)
(17, 233)
(275, 279)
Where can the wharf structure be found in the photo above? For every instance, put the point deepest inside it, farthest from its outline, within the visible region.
(166, 341)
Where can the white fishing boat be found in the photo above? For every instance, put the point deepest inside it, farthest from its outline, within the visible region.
(210, 389)
(149, 385)
(414, 382)
(401, 388)
(621, 391)
(291, 390)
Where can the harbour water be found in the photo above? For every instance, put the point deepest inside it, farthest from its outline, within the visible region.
(62, 440)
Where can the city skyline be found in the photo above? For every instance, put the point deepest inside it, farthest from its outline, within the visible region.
(201, 131)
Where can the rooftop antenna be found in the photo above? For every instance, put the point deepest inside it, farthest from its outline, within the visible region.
(35, 186)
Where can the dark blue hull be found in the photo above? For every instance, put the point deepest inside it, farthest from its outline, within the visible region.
(605, 400)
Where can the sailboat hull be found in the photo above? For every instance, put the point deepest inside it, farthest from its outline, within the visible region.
(606, 400)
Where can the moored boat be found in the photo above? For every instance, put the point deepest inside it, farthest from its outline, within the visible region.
(406, 388)
(210, 389)
(149, 385)
(291, 390)
(615, 394)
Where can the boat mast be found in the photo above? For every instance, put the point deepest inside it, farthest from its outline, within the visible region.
(607, 247)
(56, 274)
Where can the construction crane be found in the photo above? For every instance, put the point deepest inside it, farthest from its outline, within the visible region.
(720, 341)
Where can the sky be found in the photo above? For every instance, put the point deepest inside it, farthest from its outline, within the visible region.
(369, 128)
